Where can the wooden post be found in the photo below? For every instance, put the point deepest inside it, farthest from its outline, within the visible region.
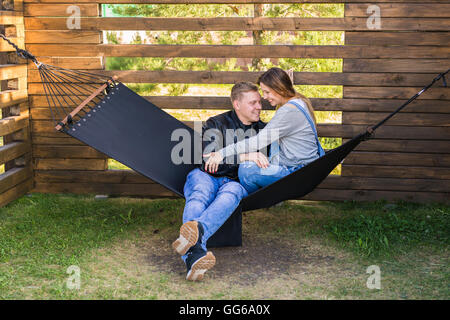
(17, 178)
(258, 11)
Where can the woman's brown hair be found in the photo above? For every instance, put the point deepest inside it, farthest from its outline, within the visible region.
(278, 80)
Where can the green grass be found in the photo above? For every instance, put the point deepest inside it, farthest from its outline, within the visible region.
(369, 231)
(44, 234)
(111, 240)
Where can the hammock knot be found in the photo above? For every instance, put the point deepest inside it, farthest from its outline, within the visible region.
(368, 134)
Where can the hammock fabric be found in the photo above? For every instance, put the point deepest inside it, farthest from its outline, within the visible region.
(116, 121)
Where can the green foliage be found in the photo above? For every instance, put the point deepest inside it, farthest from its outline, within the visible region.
(330, 143)
(381, 230)
(224, 10)
(181, 10)
(304, 10)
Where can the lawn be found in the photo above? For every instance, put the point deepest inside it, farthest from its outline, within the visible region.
(298, 250)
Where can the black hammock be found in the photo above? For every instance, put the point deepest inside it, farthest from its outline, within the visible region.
(116, 121)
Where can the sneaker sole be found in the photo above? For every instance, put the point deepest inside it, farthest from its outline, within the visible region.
(188, 237)
(200, 266)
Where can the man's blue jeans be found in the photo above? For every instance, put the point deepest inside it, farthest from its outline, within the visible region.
(253, 177)
(210, 201)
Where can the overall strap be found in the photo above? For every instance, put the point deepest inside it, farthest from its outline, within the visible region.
(320, 150)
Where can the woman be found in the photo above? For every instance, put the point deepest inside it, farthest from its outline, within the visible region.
(291, 133)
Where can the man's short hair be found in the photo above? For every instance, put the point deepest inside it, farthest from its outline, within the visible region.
(240, 88)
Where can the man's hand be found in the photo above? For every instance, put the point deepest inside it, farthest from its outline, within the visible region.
(257, 157)
(212, 164)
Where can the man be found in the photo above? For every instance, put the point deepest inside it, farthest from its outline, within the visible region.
(212, 197)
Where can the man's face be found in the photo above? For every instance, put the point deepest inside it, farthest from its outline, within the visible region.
(248, 107)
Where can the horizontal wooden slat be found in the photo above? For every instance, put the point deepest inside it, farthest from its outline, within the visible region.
(410, 10)
(396, 65)
(6, 47)
(357, 96)
(331, 182)
(13, 150)
(103, 177)
(324, 130)
(81, 88)
(238, 51)
(398, 38)
(395, 93)
(11, 97)
(381, 105)
(357, 157)
(46, 129)
(57, 139)
(154, 190)
(147, 190)
(22, 135)
(388, 132)
(73, 152)
(9, 125)
(239, 24)
(16, 192)
(12, 71)
(194, 24)
(70, 36)
(74, 63)
(10, 17)
(320, 104)
(398, 159)
(56, 10)
(14, 176)
(393, 184)
(231, 77)
(400, 119)
(417, 146)
(395, 171)
(69, 164)
(372, 195)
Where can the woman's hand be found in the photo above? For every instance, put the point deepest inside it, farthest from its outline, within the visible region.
(257, 157)
(212, 164)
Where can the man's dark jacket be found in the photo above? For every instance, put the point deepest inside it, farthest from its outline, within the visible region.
(214, 133)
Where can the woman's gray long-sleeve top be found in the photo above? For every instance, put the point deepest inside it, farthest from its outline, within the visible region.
(296, 138)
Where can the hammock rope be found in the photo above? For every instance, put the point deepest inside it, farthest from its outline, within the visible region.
(441, 75)
(66, 89)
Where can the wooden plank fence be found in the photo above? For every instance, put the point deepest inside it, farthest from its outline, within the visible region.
(409, 158)
(16, 174)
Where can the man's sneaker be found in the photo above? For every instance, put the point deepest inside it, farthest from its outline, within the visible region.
(190, 233)
(198, 262)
